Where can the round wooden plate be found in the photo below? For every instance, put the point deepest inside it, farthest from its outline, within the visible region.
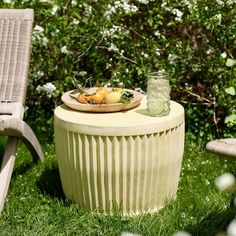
(69, 99)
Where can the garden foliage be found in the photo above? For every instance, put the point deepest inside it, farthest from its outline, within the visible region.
(106, 42)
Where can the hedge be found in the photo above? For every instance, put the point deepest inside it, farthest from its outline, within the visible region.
(106, 42)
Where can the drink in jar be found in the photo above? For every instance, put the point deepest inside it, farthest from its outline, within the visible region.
(158, 94)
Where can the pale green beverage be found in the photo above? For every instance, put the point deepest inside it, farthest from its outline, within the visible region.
(158, 94)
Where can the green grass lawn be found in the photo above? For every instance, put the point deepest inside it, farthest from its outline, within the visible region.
(36, 204)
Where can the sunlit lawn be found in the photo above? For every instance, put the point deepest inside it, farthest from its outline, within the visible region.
(36, 204)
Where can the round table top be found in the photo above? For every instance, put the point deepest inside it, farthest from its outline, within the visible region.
(135, 121)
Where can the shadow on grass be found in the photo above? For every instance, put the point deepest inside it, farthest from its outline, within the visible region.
(1, 154)
(215, 222)
(2, 148)
(50, 183)
(23, 168)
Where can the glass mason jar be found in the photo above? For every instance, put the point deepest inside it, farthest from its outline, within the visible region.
(158, 93)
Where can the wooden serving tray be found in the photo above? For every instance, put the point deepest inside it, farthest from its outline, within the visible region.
(69, 99)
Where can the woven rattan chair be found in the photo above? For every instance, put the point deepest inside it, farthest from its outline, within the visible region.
(224, 147)
(15, 49)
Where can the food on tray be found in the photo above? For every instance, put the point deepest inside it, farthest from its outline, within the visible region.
(82, 98)
(113, 97)
(105, 95)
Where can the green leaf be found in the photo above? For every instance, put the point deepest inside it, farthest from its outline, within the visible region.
(230, 90)
(140, 71)
(150, 21)
(125, 100)
(231, 119)
(126, 97)
(230, 62)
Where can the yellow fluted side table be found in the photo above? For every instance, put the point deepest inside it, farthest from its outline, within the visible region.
(128, 159)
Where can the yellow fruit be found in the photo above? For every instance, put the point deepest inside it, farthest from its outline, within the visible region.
(102, 91)
(113, 97)
(97, 98)
(82, 98)
(121, 90)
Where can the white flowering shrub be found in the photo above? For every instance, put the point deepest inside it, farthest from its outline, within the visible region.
(119, 41)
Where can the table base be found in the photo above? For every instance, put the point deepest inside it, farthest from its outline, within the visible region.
(132, 173)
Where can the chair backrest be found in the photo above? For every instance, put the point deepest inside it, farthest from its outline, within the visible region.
(15, 49)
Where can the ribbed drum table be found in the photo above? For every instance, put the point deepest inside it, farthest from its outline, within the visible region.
(126, 160)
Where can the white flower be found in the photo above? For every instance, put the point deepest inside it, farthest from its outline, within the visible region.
(182, 233)
(230, 2)
(129, 234)
(113, 48)
(83, 73)
(191, 5)
(178, 14)
(114, 31)
(164, 4)
(107, 85)
(54, 10)
(38, 28)
(47, 88)
(157, 33)
(39, 74)
(39, 88)
(145, 55)
(223, 55)
(209, 51)
(108, 65)
(45, 41)
(129, 8)
(218, 18)
(157, 52)
(220, 2)
(38, 35)
(64, 50)
(7, 1)
(73, 3)
(123, 5)
(87, 10)
(231, 229)
(172, 58)
(145, 1)
(75, 21)
(225, 181)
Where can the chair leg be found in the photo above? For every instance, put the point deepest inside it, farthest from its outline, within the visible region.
(18, 128)
(32, 143)
(7, 168)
